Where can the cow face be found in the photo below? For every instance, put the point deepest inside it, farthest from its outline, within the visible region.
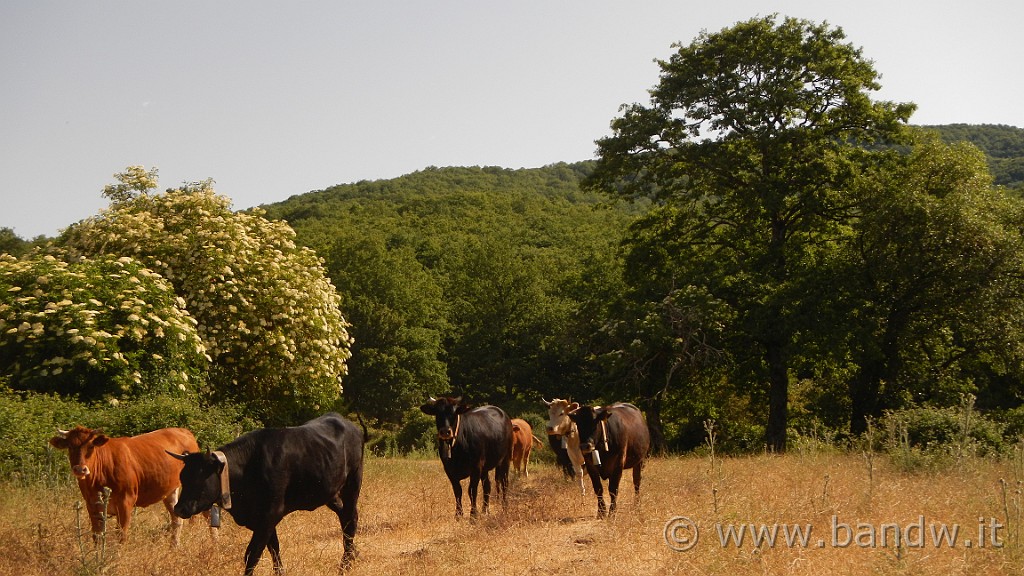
(588, 421)
(446, 412)
(559, 423)
(200, 483)
(80, 443)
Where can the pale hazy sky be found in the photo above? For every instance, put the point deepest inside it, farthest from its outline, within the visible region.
(272, 99)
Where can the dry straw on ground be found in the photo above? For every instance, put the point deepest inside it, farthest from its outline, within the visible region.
(407, 524)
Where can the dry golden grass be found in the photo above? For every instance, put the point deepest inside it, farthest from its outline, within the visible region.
(407, 524)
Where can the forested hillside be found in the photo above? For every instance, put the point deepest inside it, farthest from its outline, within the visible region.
(465, 280)
(747, 255)
(1003, 147)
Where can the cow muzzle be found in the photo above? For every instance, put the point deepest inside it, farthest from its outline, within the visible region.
(80, 471)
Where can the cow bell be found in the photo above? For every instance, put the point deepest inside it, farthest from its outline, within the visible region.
(597, 457)
(215, 516)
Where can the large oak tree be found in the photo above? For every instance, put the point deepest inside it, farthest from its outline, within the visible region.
(750, 145)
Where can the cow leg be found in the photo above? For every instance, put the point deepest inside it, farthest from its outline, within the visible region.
(595, 481)
(274, 545)
(474, 482)
(501, 479)
(122, 505)
(487, 490)
(613, 488)
(345, 507)
(457, 490)
(94, 507)
(581, 474)
(175, 526)
(261, 535)
(579, 469)
(636, 478)
(526, 458)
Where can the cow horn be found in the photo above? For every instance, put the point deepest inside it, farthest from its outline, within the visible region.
(432, 399)
(176, 456)
(545, 401)
(62, 433)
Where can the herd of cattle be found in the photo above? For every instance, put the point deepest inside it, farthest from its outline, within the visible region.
(263, 475)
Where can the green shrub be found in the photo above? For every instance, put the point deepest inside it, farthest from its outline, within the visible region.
(28, 420)
(930, 438)
(417, 434)
(95, 329)
(1013, 422)
(212, 426)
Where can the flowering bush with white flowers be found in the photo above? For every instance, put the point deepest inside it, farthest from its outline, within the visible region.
(95, 328)
(267, 313)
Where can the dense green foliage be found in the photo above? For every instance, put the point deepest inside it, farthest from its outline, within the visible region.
(100, 328)
(28, 420)
(267, 315)
(762, 244)
(1003, 147)
(461, 279)
(751, 142)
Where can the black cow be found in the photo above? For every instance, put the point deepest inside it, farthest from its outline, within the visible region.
(471, 443)
(263, 475)
(612, 439)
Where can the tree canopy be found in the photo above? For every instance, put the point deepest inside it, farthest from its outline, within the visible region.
(751, 141)
(102, 328)
(266, 312)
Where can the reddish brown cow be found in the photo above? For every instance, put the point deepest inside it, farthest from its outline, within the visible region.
(522, 444)
(612, 439)
(137, 470)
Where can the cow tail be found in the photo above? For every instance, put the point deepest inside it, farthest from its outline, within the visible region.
(366, 433)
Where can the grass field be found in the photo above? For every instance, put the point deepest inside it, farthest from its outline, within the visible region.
(407, 524)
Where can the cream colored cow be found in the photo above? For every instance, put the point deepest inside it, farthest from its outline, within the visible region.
(559, 424)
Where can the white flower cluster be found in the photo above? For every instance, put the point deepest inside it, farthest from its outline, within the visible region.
(94, 328)
(267, 313)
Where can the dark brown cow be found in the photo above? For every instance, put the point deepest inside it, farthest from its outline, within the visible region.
(264, 475)
(612, 439)
(137, 470)
(471, 443)
(522, 444)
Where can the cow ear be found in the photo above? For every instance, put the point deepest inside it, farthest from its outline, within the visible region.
(429, 408)
(177, 456)
(59, 442)
(100, 439)
(602, 414)
(462, 409)
(572, 408)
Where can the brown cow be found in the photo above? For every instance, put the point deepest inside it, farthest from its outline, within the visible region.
(612, 439)
(522, 444)
(137, 470)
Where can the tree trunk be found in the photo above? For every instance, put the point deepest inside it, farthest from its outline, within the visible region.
(881, 365)
(652, 413)
(864, 389)
(778, 399)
